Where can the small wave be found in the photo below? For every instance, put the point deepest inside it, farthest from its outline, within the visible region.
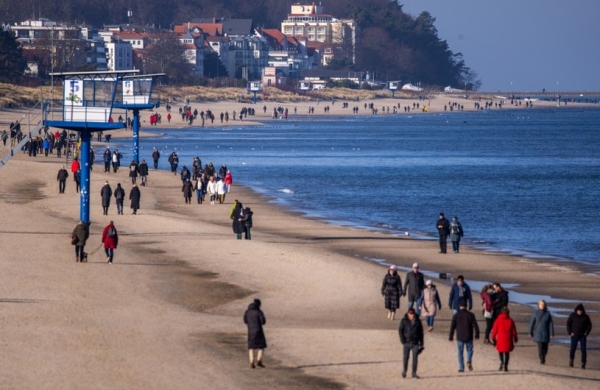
(287, 191)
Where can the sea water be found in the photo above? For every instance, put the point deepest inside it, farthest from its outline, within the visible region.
(520, 181)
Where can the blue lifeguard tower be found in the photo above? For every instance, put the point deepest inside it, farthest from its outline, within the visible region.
(135, 93)
(88, 100)
(255, 87)
(393, 86)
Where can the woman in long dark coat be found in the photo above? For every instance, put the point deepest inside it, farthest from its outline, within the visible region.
(106, 193)
(134, 196)
(391, 289)
(237, 224)
(254, 318)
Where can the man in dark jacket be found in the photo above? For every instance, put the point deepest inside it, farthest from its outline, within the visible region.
(459, 292)
(254, 318)
(579, 327)
(155, 157)
(411, 337)
(500, 299)
(443, 227)
(62, 179)
(464, 323)
(143, 170)
(413, 286)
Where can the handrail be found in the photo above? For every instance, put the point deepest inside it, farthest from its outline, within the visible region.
(28, 132)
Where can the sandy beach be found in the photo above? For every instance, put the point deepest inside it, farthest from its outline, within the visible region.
(168, 313)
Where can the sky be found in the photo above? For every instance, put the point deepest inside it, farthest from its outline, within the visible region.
(522, 45)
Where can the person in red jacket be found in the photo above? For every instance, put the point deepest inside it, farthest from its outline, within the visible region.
(504, 336)
(74, 165)
(110, 238)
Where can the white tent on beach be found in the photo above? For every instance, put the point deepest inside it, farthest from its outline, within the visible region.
(410, 87)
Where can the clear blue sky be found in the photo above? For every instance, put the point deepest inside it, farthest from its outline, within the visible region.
(532, 44)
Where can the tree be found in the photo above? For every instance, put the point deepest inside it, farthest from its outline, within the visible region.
(12, 61)
(167, 55)
(470, 79)
(213, 67)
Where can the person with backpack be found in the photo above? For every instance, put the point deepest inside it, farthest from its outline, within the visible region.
(119, 197)
(110, 238)
(456, 232)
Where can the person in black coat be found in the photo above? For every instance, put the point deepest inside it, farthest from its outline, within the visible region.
(62, 179)
(133, 171)
(237, 217)
(155, 157)
(254, 318)
(247, 222)
(187, 191)
(391, 289)
(134, 197)
(106, 193)
(174, 161)
(411, 337)
(143, 170)
(500, 300)
(579, 327)
(77, 179)
(443, 227)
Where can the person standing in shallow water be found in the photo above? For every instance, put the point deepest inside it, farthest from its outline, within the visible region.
(255, 319)
(391, 289)
(541, 328)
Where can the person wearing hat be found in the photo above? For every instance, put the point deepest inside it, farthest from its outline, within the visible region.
(391, 289)
(411, 337)
(254, 318)
(413, 286)
(465, 324)
(443, 227)
(429, 303)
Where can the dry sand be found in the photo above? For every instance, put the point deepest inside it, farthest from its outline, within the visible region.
(168, 313)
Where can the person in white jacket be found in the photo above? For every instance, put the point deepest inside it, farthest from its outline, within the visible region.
(211, 189)
(221, 191)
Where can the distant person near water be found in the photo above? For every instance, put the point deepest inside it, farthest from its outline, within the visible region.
(456, 232)
(155, 157)
(255, 319)
(443, 227)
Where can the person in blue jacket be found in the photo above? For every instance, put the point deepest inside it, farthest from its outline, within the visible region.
(460, 292)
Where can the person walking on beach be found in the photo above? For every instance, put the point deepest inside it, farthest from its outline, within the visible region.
(119, 197)
(443, 227)
(487, 308)
(228, 182)
(134, 197)
(143, 171)
(211, 189)
(391, 289)
(237, 224)
(413, 286)
(465, 324)
(579, 327)
(133, 171)
(174, 161)
(429, 303)
(110, 238)
(187, 191)
(4, 137)
(504, 337)
(541, 328)
(155, 157)
(221, 191)
(459, 292)
(412, 339)
(62, 179)
(106, 193)
(456, 232)
(116, 160)
(78, 238)
(247, 222)
(77, 180)
(255, 319)
(107, 157)
(500, 300)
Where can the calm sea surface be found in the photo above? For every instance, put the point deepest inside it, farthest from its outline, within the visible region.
(520, 181)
